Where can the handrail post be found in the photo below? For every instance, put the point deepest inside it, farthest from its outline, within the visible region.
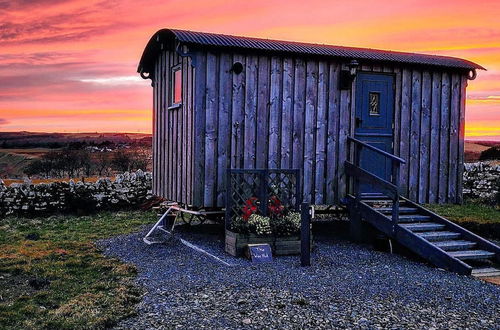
(357, 157)
(395, 202)
(305, 235)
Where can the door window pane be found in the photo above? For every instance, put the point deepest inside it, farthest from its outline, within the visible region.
(374, 104)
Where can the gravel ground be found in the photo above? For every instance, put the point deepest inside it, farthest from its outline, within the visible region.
(347, 286)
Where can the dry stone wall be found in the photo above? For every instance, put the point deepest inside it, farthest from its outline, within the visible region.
(482, 182)
(125, 191)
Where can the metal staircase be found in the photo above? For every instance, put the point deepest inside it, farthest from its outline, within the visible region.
(434, 238)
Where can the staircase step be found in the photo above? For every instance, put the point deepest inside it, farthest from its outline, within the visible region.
(426, 226)
(471, 254)
(374, 196)
(414, 218)
(402, 210)
(455, 245)
(373, 202)
(434, 236)
(486, 272)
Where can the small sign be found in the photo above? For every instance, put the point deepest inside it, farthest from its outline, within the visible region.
(260, 253)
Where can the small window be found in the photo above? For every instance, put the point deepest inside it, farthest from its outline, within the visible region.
(374, 104)
(176, 89)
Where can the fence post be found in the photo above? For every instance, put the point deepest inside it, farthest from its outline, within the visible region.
(229, 200)
(263, 193)
(305, 235)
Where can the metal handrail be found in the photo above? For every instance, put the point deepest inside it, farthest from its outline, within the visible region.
(380, 151)
(355, 170)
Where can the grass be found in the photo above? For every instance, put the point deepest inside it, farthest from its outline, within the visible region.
(480, 219)
(53, 276)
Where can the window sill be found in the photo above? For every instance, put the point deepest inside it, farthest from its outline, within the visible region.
(174, 106)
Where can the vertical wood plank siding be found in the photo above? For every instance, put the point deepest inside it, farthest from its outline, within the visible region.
(173, 138)
(288, 112)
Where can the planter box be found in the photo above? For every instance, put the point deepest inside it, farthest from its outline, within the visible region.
(236, 243)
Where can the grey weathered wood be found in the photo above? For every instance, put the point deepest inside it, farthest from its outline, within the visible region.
(321, 135)
(444, 138)
(262, 136)
(454, 138)
(156, 104)
(309, 129)
(461, 139)
(425, 142)
(298, 114)
(185, 129)
(274, 159)
(211, 112)
(416, 106)
(287, 112)
(405, 129)
(199, 130)
(163, 58)
(250, 111)
(224, 132)
(332, 134)
(397, 111)
(434, 140)
(344, 131)
(189, 158)
(238, 115)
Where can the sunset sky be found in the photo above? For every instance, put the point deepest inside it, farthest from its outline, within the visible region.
(70, 65)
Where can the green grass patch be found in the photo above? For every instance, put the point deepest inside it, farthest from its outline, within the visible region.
(480, 219)
(53, 276)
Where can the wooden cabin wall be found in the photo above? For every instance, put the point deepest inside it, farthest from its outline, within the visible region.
(429, 131)
(173, 131)
(288, 112)
(280, 112)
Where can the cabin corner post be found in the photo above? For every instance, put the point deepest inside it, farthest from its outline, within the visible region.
(461, 139)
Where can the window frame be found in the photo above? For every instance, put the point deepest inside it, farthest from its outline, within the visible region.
(173, 71)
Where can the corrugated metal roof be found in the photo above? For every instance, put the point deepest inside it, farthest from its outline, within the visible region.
(278, 46)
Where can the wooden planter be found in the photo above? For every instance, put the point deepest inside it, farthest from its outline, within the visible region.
(237, 243)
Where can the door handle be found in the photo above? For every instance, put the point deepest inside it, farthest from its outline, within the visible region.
(358, 122)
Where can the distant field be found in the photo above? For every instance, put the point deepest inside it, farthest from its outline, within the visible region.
(12, 165)
(473, 149)
(33, 139)
(36, 181)
(28, 152)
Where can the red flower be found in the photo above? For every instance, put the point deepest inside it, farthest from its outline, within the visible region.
(275, 206)
(249, 208)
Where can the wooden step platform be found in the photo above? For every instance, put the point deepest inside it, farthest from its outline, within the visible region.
(439, 235)
(455, 245)
(486, 272)
(423, 226)
(471, 254)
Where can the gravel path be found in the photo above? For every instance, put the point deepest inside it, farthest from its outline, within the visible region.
(348, 286)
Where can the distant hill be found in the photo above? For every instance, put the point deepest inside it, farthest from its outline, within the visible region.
(57, 140)
(473, 149)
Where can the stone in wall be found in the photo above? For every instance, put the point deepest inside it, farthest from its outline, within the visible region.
(482, 182)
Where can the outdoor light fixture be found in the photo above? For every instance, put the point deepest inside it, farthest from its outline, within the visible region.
(347, 76)
(353, 67)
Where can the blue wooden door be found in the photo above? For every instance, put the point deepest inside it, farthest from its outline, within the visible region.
(374, 122)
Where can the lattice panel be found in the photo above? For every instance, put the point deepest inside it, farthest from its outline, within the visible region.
(261, 184)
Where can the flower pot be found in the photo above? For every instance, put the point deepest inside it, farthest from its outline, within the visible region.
(236, 243)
